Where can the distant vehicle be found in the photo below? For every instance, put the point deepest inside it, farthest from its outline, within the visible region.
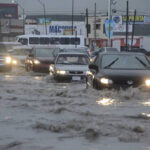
(76, 50)
(39, 59)
(19, 55)
(104, 49)
(60, 41)
(5, 62)
(125, 69)
(70, 66)
(5, 46)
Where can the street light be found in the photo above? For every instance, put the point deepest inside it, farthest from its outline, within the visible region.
(72, 14)
(23, 11)
(43, 5)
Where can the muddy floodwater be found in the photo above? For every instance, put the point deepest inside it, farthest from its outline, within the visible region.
(36, 113)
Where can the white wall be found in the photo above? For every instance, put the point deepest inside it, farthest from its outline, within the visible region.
(146, 43)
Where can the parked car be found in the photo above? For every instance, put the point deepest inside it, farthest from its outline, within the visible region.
(104, 49)
(70, 66)
(5, 62)
(113, 70)
(39, 59)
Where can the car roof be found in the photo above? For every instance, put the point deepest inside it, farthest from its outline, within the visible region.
(72, 53)
(121, 53)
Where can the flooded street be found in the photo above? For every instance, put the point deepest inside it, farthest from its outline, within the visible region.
(36, 113)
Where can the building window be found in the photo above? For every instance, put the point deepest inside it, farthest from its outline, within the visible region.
(89, 28)
(98, 26)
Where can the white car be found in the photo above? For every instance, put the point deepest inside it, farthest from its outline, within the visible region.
(70, 66)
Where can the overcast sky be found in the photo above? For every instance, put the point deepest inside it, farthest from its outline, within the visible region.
(64, 6)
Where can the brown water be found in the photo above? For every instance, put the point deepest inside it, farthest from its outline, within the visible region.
(37, 113)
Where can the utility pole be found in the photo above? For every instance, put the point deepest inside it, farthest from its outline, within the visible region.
(87, 27)
(127, 22)
(133, 29)
(72, 14)
(95, 23)
(109, 18)
(43, 5)
(87, 23)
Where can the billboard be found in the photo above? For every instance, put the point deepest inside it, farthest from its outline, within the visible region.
(122, 28)
(57, 28)
(138, 19)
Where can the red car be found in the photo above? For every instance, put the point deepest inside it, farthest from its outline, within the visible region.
(39, 59)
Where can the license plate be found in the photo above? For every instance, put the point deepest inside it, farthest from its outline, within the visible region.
(76, 78)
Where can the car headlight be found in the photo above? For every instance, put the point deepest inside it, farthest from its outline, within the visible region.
(51, 68)
(8, 60)
(14, 62)
(62, 72)
(105, 81)
(36, 62)
(147, 82)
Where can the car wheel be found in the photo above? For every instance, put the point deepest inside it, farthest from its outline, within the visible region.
(96, 85)
(27, 68)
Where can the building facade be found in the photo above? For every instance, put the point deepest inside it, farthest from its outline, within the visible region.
(10, 25)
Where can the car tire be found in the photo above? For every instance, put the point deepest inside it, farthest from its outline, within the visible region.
(96, 85)
(28, 68)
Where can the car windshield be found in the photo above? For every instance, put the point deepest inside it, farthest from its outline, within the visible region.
(84, 51)
(72, 59)
(124, 62)
(111, 49)
(44, 52)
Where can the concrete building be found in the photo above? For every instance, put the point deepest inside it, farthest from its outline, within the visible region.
(10, 25)
(97, 32)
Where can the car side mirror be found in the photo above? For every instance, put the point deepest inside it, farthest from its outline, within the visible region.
(93, 67)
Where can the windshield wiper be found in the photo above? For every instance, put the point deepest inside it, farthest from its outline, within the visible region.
(108, 66)
(141, 62)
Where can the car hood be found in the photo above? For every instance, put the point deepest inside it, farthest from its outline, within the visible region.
(72, 67)
(46, 59)
(125, 73)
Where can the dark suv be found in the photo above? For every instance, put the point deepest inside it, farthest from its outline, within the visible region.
(39, 59)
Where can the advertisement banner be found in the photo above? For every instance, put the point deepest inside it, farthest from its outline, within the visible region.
(122, 28)
(117, 20)
(57, 28)
(138, 19)
(109, 25)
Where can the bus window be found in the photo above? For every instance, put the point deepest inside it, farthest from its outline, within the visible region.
(54, 41)
(34, 40)
(51, 40)
(75, 41)
(23, 41)
(44, 40)
(65, 41)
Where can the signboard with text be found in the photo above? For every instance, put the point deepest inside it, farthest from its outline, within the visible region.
(138, 19)
(57, 28)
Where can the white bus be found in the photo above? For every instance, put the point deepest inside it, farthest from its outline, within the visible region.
(59, 41)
